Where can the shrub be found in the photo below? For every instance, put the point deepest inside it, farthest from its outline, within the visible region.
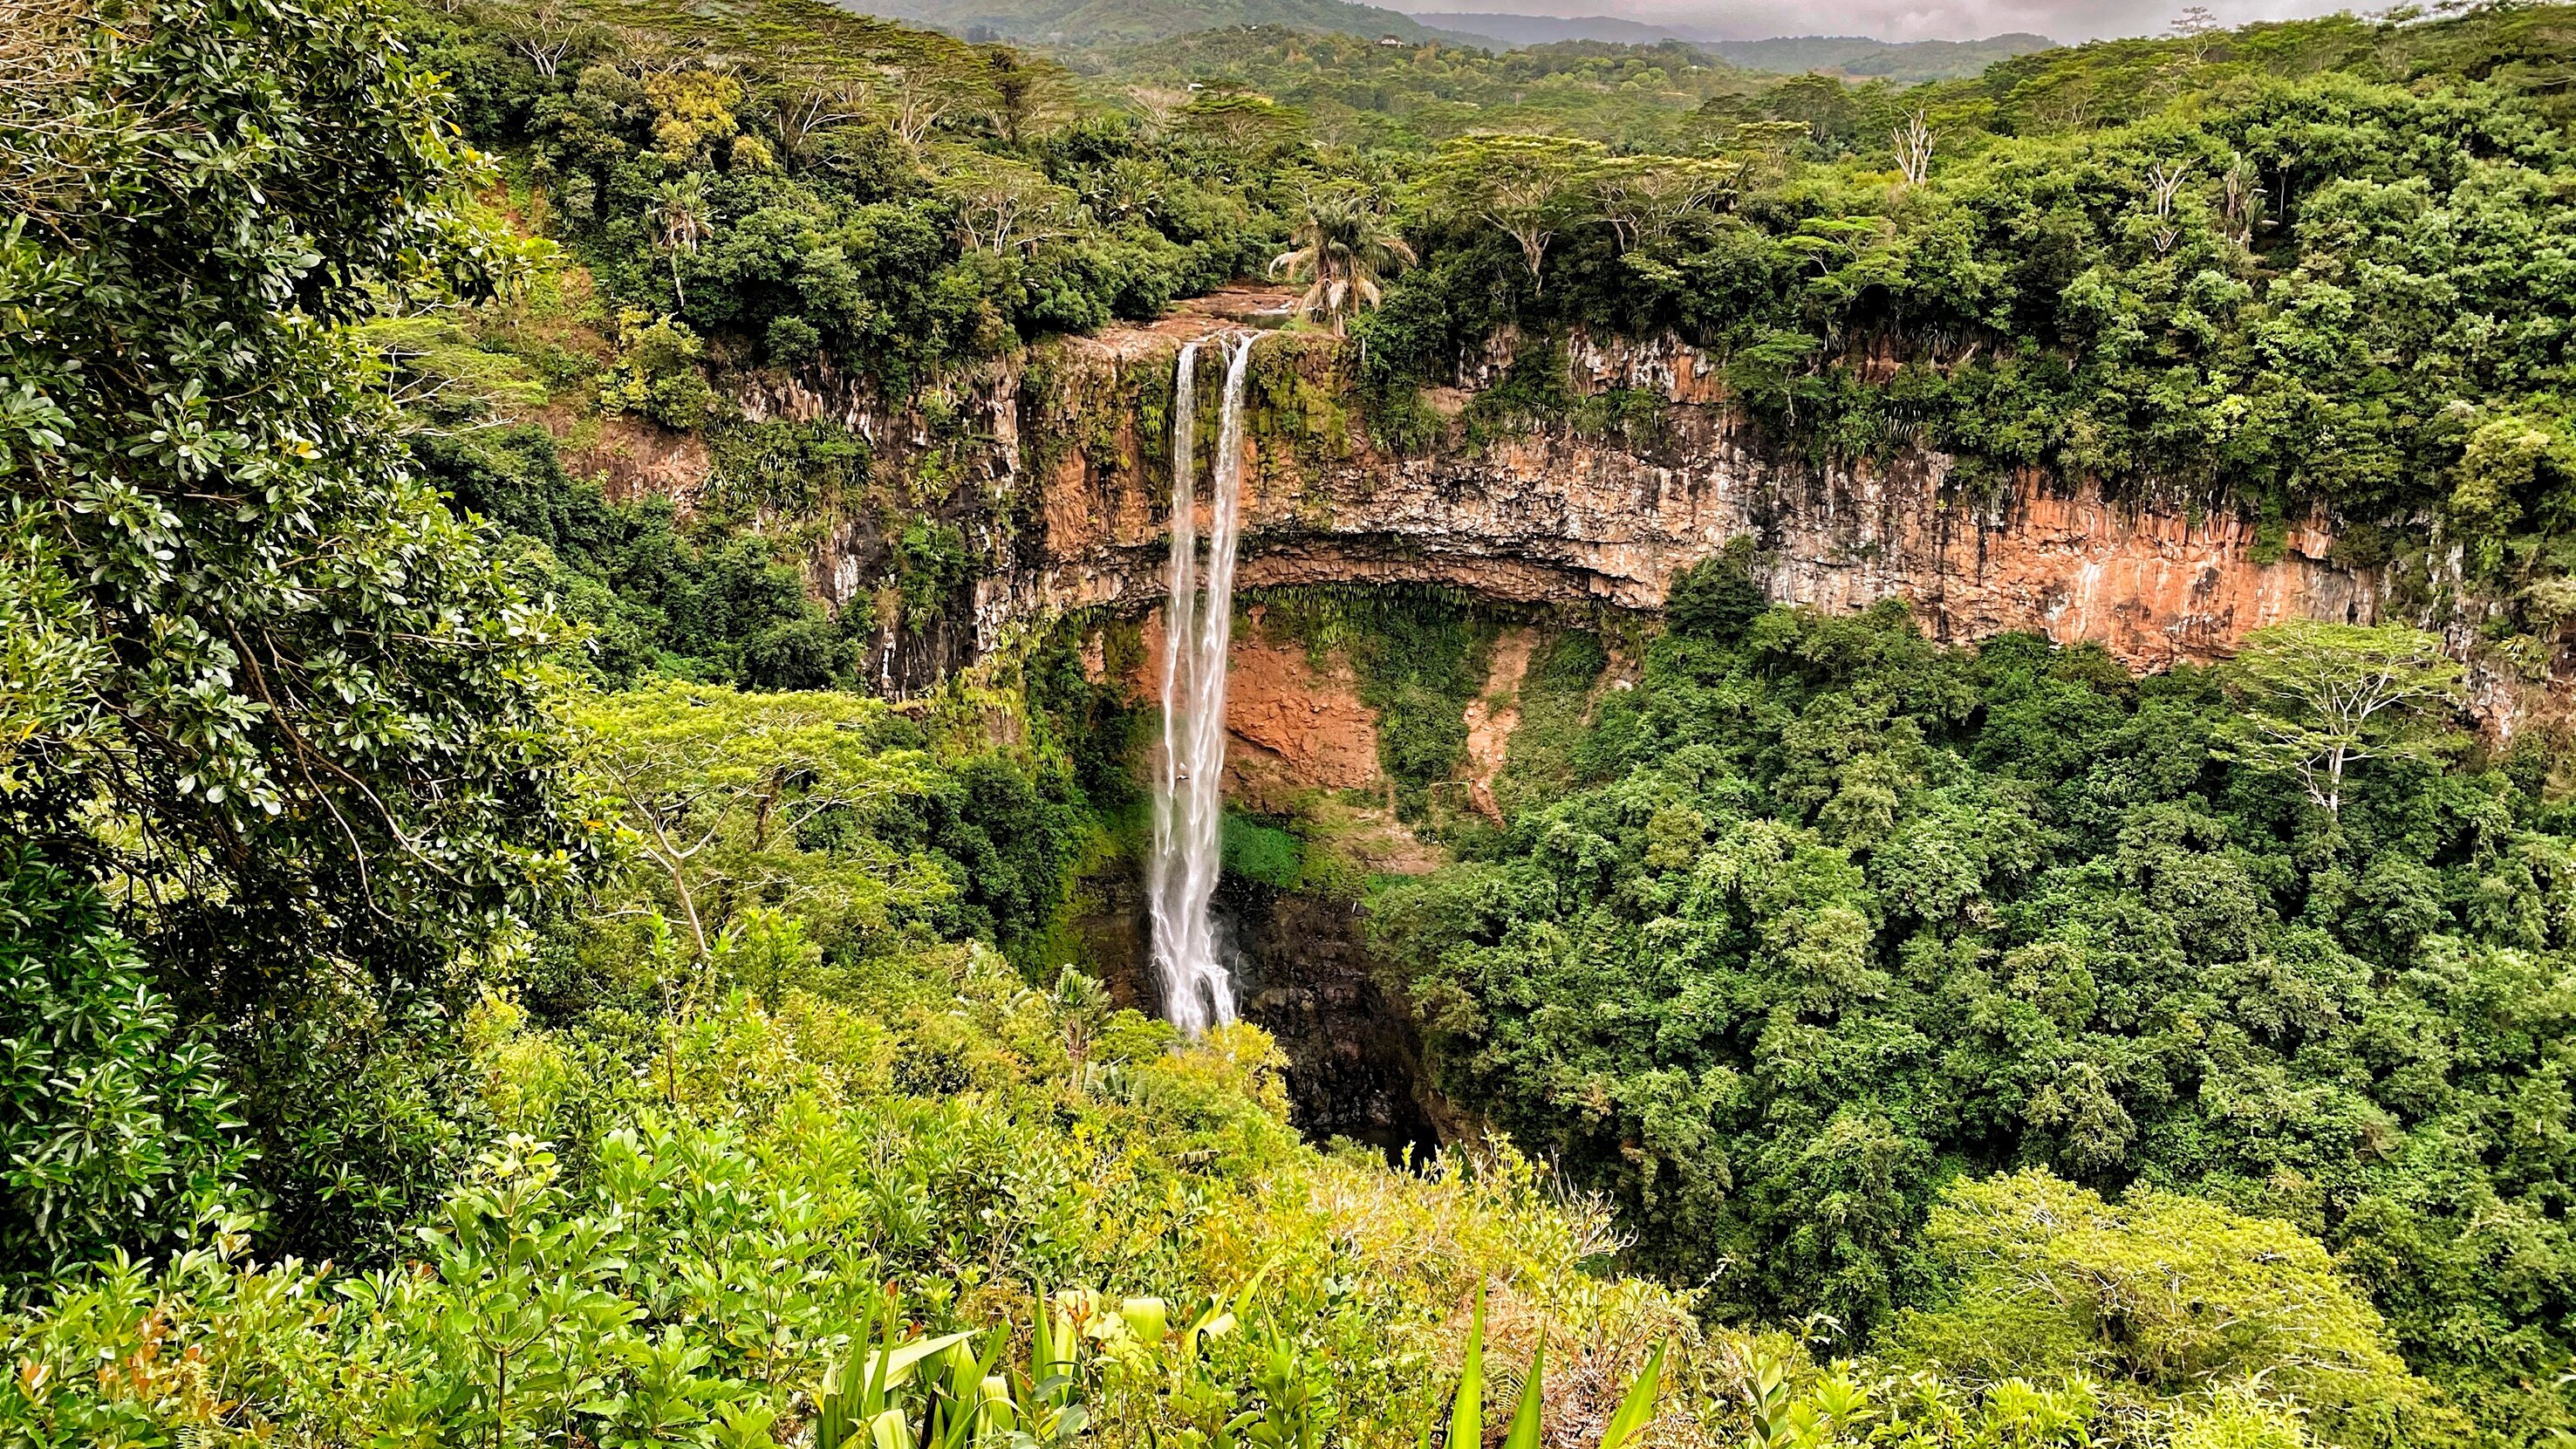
(2162, 1296)
(116, 1130)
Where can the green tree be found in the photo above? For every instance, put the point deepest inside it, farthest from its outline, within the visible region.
(1645, 197)
(1341, 246)
(320, 719)
(304, 718)
(2161, 1295)
(115, 1129)
(682, 221)
(718, 791)
(2325, 697)
(1241, 121)
(1825, 915)
(1530, 188)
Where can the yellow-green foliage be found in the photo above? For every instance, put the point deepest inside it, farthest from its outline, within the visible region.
(705, 1257)
(2163, 1297)
(434, 357)
(720, 795)
(1298, 398)
(690, 1229)
(1554, 701)
(686, 1233)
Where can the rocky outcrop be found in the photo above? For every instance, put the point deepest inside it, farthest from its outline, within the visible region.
(1306, 974)
(1054, 470)
(1293, 724)
(1546, 515)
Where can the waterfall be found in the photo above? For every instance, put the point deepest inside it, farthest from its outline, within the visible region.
(1198, 624)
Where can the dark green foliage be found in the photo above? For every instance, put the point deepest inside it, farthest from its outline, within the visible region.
(931, 565)
(1715, 598)
(1573, 660)
(828, 244)
(1094, 725)
(795, 469)
(361, 1116)
(1850, 914)
(1901, 61)
(2285, 328)
(1091, 23)
(1361, 93)
(1262, 853)
(116, 1130)
(656, 599)
(1005, 834)
(316, 746)
(812, 652)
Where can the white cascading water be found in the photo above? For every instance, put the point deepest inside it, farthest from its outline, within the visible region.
(1197, 626)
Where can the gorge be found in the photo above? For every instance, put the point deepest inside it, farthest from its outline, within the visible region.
(1539, 530)
(734, 727)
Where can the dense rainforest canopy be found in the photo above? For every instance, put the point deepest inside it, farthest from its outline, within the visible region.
(1819, 917)
(489, 954)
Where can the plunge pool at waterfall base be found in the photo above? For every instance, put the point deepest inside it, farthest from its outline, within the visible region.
(1305, 973)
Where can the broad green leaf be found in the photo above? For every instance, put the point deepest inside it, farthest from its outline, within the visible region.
(1467, 1414)
(1637, 1409)
(1524, 1431)
(891, 1368)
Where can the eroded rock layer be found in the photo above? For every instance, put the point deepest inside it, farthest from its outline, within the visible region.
(1544, 514)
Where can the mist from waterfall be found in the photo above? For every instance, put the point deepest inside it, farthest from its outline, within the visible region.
(1198, 624)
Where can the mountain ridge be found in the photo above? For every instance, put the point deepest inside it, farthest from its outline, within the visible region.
(1092, 22)
(1084, 23)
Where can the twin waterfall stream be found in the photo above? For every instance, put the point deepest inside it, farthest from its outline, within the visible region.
(1189, 959)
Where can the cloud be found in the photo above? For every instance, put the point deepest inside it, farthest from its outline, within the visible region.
(2064, 20)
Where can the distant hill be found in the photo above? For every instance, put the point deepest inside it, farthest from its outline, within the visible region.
(1906, 62)
(1113, 22)
(1518, 30)
(1354, 91)
(1091, 24)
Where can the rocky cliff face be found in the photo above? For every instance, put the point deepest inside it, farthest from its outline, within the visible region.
(1067, 495)
(1056, 475)
(1546, 515)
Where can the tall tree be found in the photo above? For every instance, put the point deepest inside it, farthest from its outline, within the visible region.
(681, 222)
(1528, 187)
(2325, 697)
(1343, 244)
(1645, 197)
(299, 716)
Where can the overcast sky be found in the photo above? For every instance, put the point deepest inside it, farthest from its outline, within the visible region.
(1901, 19)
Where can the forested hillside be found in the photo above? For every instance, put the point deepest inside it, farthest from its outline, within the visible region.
(555, 889)
(1109, 22)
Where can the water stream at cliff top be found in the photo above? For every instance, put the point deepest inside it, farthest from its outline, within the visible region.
(1198, 624)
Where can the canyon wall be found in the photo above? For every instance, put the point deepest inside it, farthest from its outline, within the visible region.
(1074, 490)
(1544, 515)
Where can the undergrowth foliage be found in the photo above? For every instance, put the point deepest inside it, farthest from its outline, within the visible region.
(932, 1141)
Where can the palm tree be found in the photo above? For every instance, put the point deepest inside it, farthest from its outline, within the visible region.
(681, 221)
(1343, 245)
